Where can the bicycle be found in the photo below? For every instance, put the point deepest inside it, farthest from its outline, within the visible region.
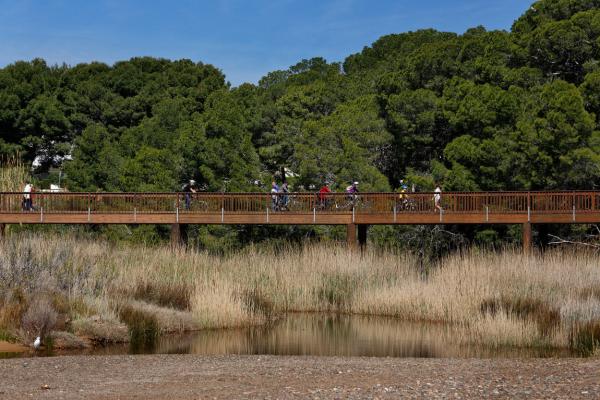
(190, 203)
(405, 203)
(349, 202)
(291, 203)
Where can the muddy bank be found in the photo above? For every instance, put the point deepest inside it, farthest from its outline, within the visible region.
(224, 377)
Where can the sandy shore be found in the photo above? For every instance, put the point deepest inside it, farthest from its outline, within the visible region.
(194, 377)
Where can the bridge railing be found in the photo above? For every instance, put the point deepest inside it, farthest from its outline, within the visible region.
(305, 202)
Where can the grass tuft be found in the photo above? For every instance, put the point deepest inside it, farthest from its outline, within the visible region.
(143, 327)
(173, 296)
(546, 317)
(585, 338)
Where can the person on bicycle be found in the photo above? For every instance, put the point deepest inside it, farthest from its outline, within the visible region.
(323, 196)
(403, 197)
(352, 190)
(274, 196)
(188, 189)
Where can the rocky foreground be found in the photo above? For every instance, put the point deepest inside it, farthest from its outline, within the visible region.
(225, 377)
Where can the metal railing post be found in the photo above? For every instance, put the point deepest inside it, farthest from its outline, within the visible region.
(528, 207)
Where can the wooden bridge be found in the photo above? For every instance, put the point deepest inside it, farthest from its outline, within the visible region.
(305, 208)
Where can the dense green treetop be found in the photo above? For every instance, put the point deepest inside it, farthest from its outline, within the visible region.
(484, 110)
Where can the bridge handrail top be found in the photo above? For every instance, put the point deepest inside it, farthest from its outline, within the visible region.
(517, 192)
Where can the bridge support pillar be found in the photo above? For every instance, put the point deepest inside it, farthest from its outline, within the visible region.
(2, 231)
(176, 236)
(362, 236)
(351, 236)
(527, 237)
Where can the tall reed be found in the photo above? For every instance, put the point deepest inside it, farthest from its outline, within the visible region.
(495, 299)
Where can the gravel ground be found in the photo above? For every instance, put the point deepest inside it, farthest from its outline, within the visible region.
(277, 377)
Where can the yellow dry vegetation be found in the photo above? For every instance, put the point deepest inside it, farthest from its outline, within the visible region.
(494, 299)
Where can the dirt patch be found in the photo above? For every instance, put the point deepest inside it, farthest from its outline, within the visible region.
(226, 377)
(6, 347)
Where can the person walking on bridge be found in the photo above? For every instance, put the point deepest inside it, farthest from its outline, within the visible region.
(188, 189)
(285, 190)
(437, 197)
(28, 197)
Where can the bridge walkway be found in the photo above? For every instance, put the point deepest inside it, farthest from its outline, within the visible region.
(305, 208)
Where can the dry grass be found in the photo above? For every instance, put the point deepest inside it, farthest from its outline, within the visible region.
(496, 299)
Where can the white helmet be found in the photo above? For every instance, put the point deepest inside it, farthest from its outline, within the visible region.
(355, 183)
(192, 181)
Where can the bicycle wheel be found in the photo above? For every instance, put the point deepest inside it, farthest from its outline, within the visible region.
(200, 206)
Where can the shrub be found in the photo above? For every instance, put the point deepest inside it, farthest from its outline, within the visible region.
(40, 318)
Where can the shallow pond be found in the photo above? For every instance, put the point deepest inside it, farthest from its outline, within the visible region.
(321, 335)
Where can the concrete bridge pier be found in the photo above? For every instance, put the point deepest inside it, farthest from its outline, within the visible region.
(527, 243)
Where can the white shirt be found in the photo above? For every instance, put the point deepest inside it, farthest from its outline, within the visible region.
(437, 196)
(27, 191)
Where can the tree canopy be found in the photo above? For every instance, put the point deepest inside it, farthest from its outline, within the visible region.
(482, 110)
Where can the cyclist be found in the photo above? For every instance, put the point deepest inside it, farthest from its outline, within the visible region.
(352, 190)
(274, 196)
(323, 196)
(352, 193)
(403, 197)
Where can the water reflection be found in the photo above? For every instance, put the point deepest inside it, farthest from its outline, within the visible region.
(328, 335)
(335, 335)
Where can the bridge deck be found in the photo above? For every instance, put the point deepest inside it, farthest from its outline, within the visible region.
(303, 208)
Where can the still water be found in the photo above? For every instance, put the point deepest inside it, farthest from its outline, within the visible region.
(324, 335)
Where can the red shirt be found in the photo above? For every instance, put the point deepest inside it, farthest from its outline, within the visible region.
(323, 192)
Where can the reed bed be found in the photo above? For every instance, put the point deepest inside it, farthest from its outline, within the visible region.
(102, 291)
(13, 174)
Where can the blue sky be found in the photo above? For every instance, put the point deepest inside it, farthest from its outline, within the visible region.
(244, 38)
